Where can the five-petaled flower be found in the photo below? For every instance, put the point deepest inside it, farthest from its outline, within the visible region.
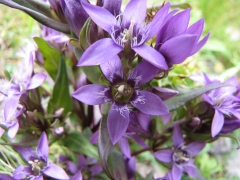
(39, 165)
(124, 94)
(181, 156)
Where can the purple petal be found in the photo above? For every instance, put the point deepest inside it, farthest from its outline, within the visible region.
(144, 120)
(151, 55)
(217, 123)
(200, 45)
(21, 172)
(164, 93)
(5, 177)
(82, 162)
(124, 145)
(131, 167)
(113, 6)
(96, 169)
(100, 16)
(230, 125)
(75, 14)
(72, 168)
(196, 28)
(42, 148)
(100, 52)
(139, 141)
(191, 170)
(12, 131)
(94, 138)
(135, 9)
(10, 106)
(157, 22)
(109, 68)
(194, 148)
(207, 99)
(1, 132)
(146, 70)
(26, 152)
(149, 103)
(92, 94)
(177, 137)
(36, 81)
(166, 118)
(177, 25)
(77, 176)
(164, 155)
(117, 122)
(177, 49)
(55, 171)
(39, 177)
(176, 172)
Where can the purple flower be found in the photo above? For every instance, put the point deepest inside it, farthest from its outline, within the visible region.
(176, 41)
(223, 101)
(126, 30)
(123, 94)
(38, 163)
(181, 156)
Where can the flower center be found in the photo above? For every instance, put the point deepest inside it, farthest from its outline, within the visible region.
(37, 166)
(126, 35)
(122, 92)
(181, 157)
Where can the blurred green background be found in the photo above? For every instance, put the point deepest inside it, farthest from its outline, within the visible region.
(220, 56)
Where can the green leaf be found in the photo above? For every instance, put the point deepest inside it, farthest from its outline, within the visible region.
(105, 146)
(39, 17)
(78, 143)
(117, 165)
(84, 36)
(93, 73)
(51, 56)
(61, 97)
(181, 99)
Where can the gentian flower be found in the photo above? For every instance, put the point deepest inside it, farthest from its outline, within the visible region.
(181, 156)
(123, 93)
(223, 101)
(39, 165)
(128, 29)
(176, 41)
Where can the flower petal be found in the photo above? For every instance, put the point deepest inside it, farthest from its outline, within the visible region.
(95, 169)
(21, 172)
(92, 94)
(10, 106)
(149, 103)
(176, 172)
(217, 123)
(100, 52)
(191, 170)
(157, 22)
(200, 44)
(36, 81)
(177, 25)
(72, 168)
(196, 28)
(166, 118)
(151, 55)
(195, 147)
(117, 122)
(111, 67)
(56, 172)
(94, 138)
(164, 155)
(42, 148)
(177, 49)
(75, 14)
(77, 176)
(135, 9)
(164, 93)
(177, 137)
(113, 6)
(145, 70)
(5, 177)
(230, 125)
(100, 16)
(124, 145)
(82, 162)
(26, 152)
(12, 130)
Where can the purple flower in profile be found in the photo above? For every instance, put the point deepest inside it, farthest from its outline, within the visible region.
(223, 101)
(128, 29)
(181, 156)
(123, 94)
(176, 41)
(39, 165)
